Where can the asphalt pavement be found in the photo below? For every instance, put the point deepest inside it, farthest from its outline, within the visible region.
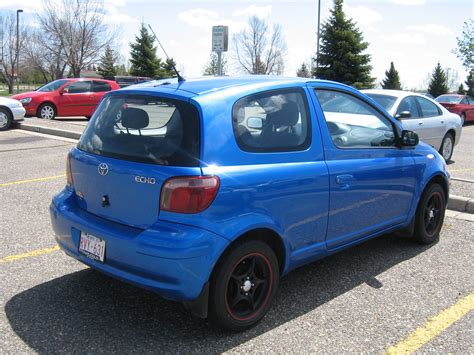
(371, 298)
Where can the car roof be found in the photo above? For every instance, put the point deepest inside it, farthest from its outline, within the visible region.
(211, 84)
(395, 93)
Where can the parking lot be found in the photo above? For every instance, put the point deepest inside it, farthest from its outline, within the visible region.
(388, 294)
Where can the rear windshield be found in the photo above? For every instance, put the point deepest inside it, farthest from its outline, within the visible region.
(383, 100)
(145, 129)
(449, 99)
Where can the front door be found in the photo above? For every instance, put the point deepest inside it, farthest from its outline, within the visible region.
(75, 99)
(372, 180)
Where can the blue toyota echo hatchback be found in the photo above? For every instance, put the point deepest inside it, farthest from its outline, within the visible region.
(207, 191)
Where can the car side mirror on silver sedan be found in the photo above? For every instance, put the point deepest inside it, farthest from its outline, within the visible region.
(402, 115)
(409, 139)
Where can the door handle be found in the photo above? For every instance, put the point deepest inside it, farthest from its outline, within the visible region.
(420, 123)
(442, 121)
(345, 181)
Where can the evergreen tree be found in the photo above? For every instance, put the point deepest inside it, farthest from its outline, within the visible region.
(303, 71)
(143, 59)
(167, 69)
(340, 55)
(107, 67)
(470, 84)
(461, 90)
(392, 79)
(439, 82)
(211, 66)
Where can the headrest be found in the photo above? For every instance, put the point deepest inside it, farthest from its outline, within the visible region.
(135, 118)
(288, 115)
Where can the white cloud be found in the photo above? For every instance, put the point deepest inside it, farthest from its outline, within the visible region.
(431, 29)
(405, 38)
(26, 5)
(254, 10)
(364, 16)
(409, 2)
(205, 19)
(199, 17)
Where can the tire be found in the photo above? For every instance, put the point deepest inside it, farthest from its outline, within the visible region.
(447, 147)
(243, 286)
(463, 118)
(46, 111)
(430, 214)
(6, 119)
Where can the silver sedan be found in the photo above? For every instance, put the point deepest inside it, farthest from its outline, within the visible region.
(10, 110)
(434, 124)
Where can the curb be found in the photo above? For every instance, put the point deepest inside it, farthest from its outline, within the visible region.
(48, 130)
(461, 204)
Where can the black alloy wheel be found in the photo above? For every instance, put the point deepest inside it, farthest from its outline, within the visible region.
(430, 214)
(243, 286)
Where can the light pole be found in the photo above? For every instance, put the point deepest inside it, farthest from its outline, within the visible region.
(17, 51)
(317, 43)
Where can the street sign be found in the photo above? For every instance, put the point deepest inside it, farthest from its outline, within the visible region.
(220, 38)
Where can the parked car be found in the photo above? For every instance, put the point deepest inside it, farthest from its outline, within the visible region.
(434, 124)
(10, 111)
(206, 191)
(125, 80)
(461, 105)
(66, 97)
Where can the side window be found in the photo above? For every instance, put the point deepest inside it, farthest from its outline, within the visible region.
(464, 101)
(428, 109)
(408, 104)
(79, 87)
(470, 100)
(100, 86)
(275, 121)
(353, 123)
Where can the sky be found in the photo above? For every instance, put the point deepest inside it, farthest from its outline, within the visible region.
(414, 34)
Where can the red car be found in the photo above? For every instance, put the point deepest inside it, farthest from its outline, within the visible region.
(65, 97)
(462, 105)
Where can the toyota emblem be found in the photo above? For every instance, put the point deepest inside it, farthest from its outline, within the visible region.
(103, 169)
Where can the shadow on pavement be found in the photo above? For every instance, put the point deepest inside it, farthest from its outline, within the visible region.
(88, 312)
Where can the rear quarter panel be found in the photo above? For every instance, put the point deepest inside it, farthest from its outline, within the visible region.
(286, 192)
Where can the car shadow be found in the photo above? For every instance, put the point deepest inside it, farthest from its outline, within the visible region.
(88, 312)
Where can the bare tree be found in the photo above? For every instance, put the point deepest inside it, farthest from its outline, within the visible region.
(74, 32)
(46, 56)
(258, 51)
(8, 52)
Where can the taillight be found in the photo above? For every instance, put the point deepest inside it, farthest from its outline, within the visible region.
(69, 181)
(190, 194)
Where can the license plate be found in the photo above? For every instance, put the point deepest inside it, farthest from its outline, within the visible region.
(92, 246)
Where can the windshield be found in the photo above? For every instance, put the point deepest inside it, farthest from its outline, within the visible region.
(383, 100)
(449, 99)
(145, 129)
(53, 86)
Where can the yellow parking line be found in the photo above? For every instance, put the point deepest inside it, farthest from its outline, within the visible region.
(11, 258)
(32, 180)
(434, 326)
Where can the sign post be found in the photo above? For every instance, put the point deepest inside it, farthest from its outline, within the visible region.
(220, 43)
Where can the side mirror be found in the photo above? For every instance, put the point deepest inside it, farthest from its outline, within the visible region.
(402, 115)
(64, 91)
(409, 139)
(255, 123)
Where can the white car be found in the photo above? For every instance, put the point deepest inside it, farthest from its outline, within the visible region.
(10, 110)
(434, 124)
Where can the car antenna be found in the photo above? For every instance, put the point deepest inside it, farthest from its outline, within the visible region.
(180, 78)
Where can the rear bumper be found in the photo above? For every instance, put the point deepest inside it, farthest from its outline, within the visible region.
(170, 259)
